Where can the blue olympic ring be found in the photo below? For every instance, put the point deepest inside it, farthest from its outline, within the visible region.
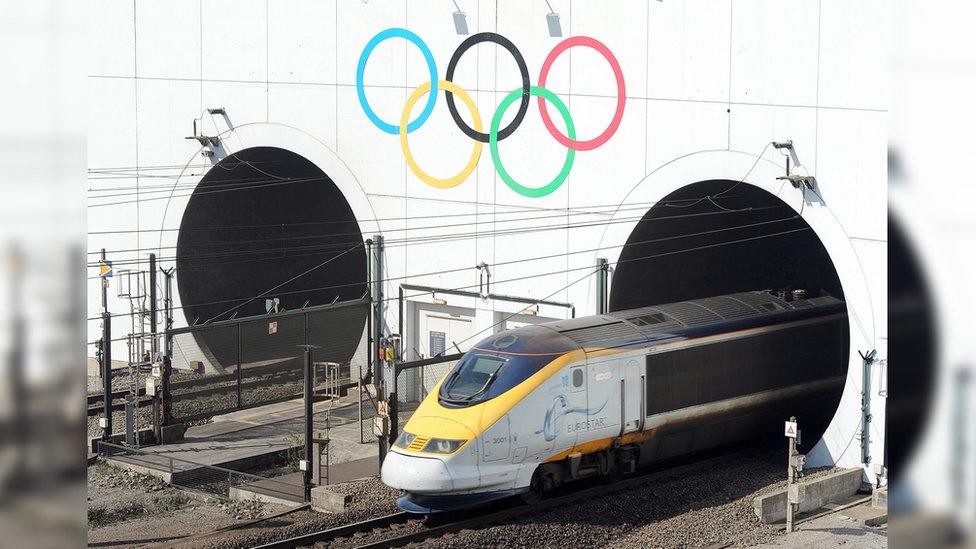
(361, 69)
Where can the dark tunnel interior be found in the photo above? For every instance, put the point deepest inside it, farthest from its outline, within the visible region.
(912, 350)
(718, 237)
(267, 223)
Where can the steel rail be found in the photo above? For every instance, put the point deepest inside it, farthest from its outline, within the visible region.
(95, 401)
(343, 531)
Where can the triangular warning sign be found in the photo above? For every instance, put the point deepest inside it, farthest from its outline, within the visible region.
(791, 429)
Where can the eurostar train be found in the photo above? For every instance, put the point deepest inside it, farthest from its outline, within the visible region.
(528, 409)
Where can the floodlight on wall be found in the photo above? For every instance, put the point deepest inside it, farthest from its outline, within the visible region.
(552, 20)
(437, 300)
(460, 21)
(206, 140)
(798, 181)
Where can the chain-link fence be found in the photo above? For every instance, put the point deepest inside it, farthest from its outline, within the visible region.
(415, 380)
(367, 411)
(255, 361)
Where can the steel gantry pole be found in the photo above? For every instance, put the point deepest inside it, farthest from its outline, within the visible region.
(168, 312)
(376, 281)
(307, 469)
(107, 376)
(153, 309)
(365, 378)
(106, 365)
(104, 285)
(603, 269)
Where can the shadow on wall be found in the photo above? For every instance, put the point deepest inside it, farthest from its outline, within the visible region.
(912, 350)
(267, 223)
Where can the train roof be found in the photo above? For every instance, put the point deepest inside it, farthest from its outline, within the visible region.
(690, 318)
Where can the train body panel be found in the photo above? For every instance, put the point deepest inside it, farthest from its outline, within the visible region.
(597, 395)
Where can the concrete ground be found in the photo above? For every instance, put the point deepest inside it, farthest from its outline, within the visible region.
(243, 439)
(288, 417)
(844, 527)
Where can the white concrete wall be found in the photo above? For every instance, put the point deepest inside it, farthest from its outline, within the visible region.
(934, 207)
(709, 83)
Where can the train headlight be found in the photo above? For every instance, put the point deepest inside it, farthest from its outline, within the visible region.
(442, 446)
(404, 439)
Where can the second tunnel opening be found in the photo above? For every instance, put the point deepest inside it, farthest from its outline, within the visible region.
(719, 237)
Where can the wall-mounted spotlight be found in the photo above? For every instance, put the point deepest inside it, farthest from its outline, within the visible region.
(460, 22)
(437, 300)
(206, 140)
(798, 181)
(552, 19)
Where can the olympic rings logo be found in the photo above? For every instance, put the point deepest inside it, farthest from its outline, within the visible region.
(494, 135)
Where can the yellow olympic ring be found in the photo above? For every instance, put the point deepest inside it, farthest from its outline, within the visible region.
(449, 182)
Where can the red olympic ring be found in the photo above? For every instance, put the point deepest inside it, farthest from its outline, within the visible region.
(621, 93)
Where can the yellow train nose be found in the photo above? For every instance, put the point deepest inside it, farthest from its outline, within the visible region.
(438, 426)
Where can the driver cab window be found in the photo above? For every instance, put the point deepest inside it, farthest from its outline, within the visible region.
(473, 377)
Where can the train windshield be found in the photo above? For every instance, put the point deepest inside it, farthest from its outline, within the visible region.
(471, 378)
(481, 376)
(501, 362)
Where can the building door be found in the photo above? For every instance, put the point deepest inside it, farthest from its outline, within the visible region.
(439, 332)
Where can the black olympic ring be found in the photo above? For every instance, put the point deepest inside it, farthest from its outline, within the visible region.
(519, 60)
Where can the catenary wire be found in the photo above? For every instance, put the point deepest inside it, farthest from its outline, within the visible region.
(539, 275)
(559, 215)
(507, 318)
(551, 256)
(452, 237)
(461, 269)
(522, 209)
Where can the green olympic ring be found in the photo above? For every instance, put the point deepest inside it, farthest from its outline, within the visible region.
(531, 192)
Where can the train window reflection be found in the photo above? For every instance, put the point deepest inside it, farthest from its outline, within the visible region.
(481, 376)
(472, 377)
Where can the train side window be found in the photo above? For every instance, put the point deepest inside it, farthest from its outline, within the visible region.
(577, 377)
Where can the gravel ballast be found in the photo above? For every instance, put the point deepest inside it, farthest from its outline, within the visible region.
(370, 499)
(700, 508)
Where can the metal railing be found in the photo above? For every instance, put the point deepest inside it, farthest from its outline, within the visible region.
(209, 480)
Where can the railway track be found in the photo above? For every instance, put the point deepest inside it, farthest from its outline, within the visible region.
(183, 390)
(95, 401)
(344, 531)
(400, 529)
